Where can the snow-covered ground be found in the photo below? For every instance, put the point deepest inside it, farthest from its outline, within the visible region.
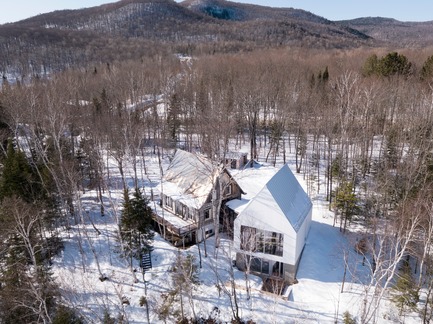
(319, 296)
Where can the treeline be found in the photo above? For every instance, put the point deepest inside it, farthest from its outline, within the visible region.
(369, 135)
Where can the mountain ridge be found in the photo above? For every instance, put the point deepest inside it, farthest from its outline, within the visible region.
(189, 11)
(133, 28)
(393, 31)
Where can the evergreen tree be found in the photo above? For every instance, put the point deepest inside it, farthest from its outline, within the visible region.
(405, 291)
(14, 283)
(394, 64)
(173, 117)
(346, 203)
(17, 177)
(107, 318)
(388, 65)
(348, 318)
(427, 69)
(28, 292)
(391, 151)
(32, 183)
(325, 75)
(371, 66)
(136, 225)
(66, 315)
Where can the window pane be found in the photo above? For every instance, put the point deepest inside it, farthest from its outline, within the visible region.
(265, 266)
(261, 241)
(256, 265)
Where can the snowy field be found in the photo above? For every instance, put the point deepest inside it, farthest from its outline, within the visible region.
(92, 249)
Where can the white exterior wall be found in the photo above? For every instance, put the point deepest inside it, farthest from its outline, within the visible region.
(282, 206)
(273, 224)
(302, 236)
(293, 241)
(290, 247)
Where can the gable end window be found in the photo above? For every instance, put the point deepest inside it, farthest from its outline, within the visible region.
(207, 214)
(228, 190)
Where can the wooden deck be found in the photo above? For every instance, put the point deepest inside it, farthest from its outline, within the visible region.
(176, 230)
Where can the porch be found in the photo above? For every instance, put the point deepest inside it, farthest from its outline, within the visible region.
(177, 231)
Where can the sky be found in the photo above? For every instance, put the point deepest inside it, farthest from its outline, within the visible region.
(404, 10)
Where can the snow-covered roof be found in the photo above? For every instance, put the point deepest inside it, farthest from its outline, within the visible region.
(251, 180)
(289, 196)
(281, 196)
(189, 178)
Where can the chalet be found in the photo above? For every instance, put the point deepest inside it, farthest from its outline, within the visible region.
(272, 222)
(193, 195)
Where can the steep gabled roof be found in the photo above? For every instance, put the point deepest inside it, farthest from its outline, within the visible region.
(281, 198)
(189, 178)
(290, 197)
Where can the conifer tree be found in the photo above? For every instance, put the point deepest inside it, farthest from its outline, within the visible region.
(348, 318)
(136, 225)
(346, 203)
(17, 175)
(371, 66)
(28, 292)
(427, 69)
(405, 291)
(325, 75)
(388, 65)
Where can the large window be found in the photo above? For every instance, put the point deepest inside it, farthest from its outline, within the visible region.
(261, 241)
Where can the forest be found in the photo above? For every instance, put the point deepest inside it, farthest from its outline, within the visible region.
(364, 114)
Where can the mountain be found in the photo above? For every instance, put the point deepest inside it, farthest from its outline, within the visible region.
(240, 12)
(134, 28)
(394, 32)
(229, 10)
(127, 18)
(167, 20)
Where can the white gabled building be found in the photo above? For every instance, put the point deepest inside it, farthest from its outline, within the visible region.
(272, 224)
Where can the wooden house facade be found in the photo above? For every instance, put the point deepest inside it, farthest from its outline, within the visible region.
(193, 196)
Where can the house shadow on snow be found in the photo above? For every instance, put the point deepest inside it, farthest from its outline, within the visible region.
(325, 254)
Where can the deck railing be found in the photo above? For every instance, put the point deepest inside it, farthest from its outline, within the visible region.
(174, 229)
